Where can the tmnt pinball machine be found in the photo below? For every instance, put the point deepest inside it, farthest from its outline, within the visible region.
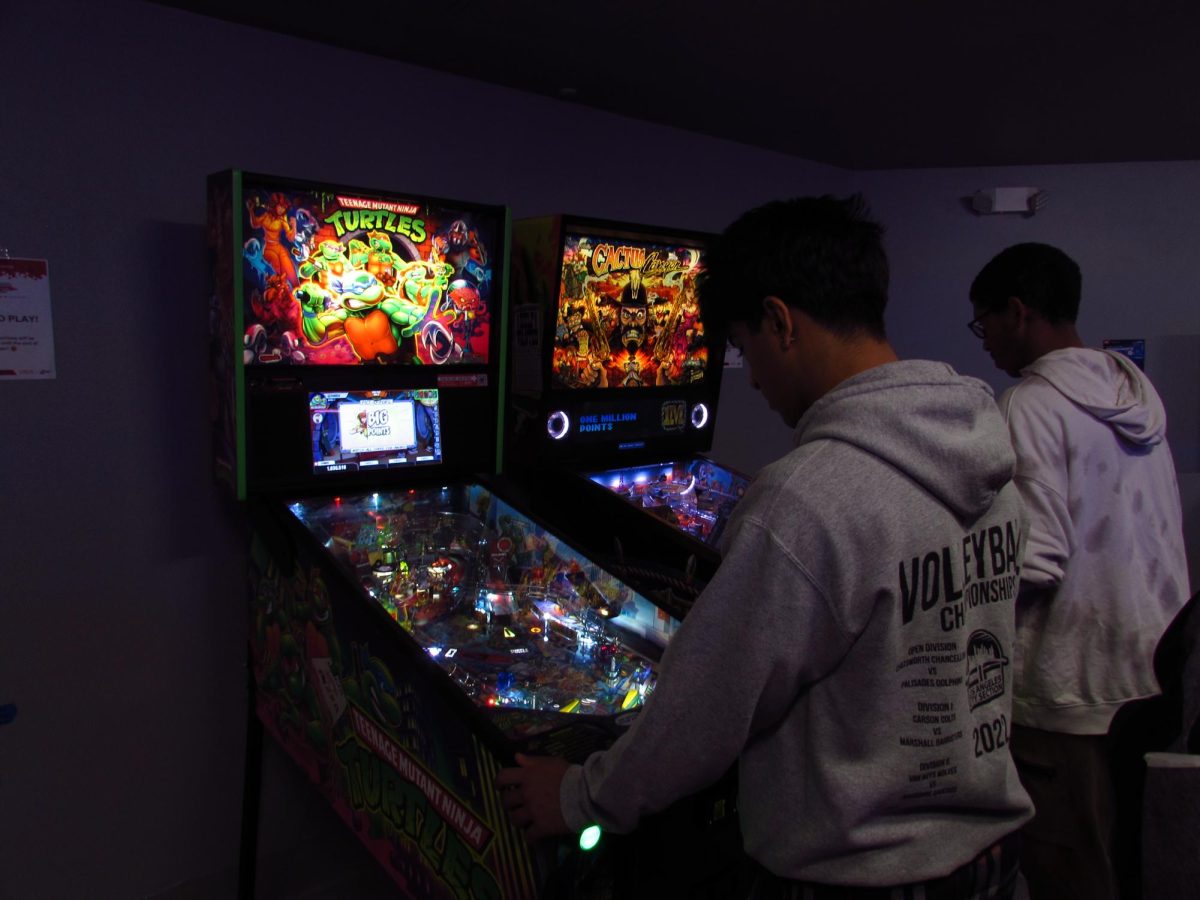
(412, 626)
(615, 386)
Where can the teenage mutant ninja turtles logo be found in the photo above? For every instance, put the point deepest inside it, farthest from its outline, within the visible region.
(985, 668)
(379, 215)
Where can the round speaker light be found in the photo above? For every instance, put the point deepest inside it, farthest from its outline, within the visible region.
(558, 423)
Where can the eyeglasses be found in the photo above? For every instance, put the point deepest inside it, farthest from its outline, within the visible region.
(975, 326)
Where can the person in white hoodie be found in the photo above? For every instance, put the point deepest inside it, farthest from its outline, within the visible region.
(1105, 569)
(852, 654)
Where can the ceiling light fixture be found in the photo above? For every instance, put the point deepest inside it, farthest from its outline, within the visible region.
(998, 200)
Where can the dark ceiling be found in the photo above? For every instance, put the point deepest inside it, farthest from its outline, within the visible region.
(862, 84)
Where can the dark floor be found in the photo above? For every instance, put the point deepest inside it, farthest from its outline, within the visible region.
(305, 852)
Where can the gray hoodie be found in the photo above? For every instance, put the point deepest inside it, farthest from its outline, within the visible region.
(1105, 540)
(852, 653)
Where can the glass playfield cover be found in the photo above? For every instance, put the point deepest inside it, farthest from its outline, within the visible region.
(520, 621)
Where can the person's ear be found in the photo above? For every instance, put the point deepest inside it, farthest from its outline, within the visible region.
(1017, 310)
(777, 319)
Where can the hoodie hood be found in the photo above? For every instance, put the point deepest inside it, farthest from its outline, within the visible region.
(948, 436)
(1109, 387)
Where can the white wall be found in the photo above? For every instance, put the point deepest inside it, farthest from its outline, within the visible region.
(122, 608)
(1134, 229)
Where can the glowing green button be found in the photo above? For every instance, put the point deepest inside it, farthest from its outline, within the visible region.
(589, 837)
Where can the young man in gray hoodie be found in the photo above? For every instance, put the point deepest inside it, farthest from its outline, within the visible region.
(853, 652)
(1105, 571)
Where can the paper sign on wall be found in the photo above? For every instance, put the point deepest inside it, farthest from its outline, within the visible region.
(26, 331)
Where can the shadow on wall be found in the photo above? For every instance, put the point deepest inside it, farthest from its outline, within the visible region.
(172, 334)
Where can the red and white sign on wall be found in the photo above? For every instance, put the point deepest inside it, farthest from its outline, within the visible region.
(26, 332)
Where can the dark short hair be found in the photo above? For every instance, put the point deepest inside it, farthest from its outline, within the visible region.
(821, 255)
(1039, 275)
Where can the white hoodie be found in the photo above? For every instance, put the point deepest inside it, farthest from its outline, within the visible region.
(1105, 557)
